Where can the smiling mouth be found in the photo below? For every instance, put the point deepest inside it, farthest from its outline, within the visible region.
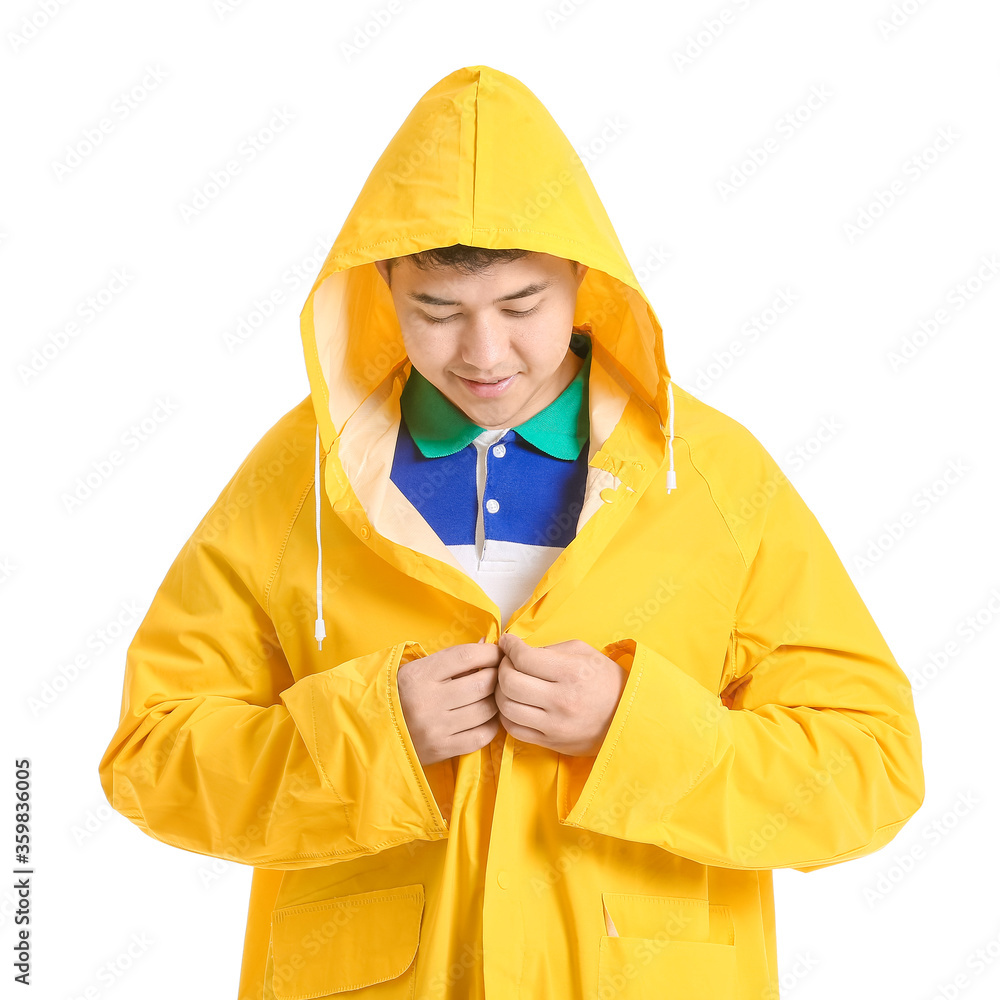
(488, 389)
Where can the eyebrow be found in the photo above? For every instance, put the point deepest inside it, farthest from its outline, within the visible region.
(432, 300)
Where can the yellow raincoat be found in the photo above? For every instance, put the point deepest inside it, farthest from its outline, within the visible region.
(764, 723)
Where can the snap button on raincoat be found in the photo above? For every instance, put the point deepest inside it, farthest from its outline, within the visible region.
(764, 722)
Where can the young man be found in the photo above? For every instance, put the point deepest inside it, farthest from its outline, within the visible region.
(510, 691)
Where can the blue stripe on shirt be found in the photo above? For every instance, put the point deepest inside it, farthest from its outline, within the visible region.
(540, 496)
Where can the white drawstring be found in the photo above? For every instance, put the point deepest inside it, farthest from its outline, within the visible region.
(320, 624)
(671, 475)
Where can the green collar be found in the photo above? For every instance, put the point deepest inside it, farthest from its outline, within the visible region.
(439, 428)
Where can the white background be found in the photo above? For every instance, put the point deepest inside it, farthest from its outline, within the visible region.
(859, 437)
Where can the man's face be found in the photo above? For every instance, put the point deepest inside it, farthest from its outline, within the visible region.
(512, 321)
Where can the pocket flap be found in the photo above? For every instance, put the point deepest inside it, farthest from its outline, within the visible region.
(677, 918)
(345, 943)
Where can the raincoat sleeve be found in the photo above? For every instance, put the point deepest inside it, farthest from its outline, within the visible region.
(811, 755)
(220, 751)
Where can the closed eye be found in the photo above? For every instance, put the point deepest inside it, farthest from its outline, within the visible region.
(510, 312)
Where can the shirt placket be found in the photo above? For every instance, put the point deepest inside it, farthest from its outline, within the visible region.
(490, 447)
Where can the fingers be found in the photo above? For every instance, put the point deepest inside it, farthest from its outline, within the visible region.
(460, 660)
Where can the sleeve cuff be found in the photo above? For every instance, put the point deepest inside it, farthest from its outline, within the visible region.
(661, 740)
(352, 722)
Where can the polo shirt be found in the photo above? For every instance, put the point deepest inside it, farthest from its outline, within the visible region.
(504, 501)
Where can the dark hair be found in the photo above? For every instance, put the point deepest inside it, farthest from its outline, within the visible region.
(464, 258)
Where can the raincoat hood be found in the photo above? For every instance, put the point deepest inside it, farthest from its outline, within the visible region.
(451, 174)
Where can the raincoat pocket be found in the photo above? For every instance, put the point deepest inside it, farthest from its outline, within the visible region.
(660, 946)
(366, 941)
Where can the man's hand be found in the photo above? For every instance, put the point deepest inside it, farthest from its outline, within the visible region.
(562, 696)
(447, 700)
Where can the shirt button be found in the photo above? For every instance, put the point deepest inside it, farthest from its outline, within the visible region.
(365, 531)
(608, 495)
(500, 450)
(503, 879)
(492, 506)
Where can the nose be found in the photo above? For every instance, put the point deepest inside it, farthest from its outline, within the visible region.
(484, 351)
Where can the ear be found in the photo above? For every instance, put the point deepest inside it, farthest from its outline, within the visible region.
(383, 269)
